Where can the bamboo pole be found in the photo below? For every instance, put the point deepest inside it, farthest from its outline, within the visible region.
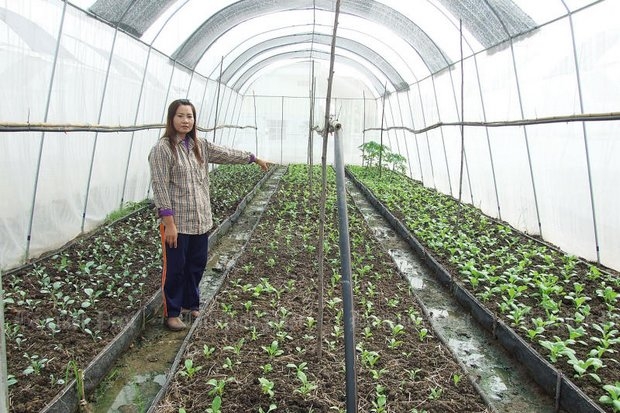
(86, 127)
(591, 117)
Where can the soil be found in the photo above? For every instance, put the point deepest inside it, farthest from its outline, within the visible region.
(31, 343)
(71, 344)
(419, 374)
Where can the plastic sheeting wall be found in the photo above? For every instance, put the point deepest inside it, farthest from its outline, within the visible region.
(63, 184)
(557, 180)
(561, 175)
(58, 185)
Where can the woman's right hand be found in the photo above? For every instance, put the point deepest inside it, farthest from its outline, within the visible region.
(170, 231)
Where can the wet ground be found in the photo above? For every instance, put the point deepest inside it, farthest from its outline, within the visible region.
(137, 378)
(505, 386)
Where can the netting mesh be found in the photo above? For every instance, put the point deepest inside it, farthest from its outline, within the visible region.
(134, 17)
(491, 21)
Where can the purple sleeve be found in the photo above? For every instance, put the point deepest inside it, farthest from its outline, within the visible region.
(165, 212)
(252, 158)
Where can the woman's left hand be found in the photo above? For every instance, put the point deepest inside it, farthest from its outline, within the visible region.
(263, 165)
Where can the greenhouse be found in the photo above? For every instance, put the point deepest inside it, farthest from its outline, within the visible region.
(377, 206)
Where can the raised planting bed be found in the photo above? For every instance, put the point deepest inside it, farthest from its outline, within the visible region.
(76, 309)
(255, 347)
(555, 312)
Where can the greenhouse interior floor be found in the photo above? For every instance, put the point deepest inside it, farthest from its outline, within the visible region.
(133, 384)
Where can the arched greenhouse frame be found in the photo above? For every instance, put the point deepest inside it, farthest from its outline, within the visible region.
(483, 133)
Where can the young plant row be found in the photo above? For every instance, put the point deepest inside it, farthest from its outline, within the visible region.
(63, 310)
(565, 307)
(255, 348)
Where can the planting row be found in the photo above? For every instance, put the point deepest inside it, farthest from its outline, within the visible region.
(62, 310)
(564, 307)
(262, 344)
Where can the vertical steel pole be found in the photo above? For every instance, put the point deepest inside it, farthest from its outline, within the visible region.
(381, 132)
(345, 262)
(217, 99)
(42, 141)
(135, 121)
(363, 124)
(462, 115)
(443, 141)
(281, 129)
(256, 125)
(417, 146)
(234, 131)
(584, 131)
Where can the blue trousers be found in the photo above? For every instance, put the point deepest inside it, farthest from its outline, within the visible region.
(182, 271)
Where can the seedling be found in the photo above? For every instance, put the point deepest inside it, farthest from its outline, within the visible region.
(273, 349)
(266, 386)
(612, 397)
(208, 351)
(189, 369)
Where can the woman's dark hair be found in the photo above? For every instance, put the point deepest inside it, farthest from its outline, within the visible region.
(171, 133)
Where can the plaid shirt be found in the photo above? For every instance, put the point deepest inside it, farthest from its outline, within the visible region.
(181, 183)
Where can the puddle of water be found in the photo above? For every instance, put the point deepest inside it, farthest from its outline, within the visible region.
(140, 373)
(503, 382)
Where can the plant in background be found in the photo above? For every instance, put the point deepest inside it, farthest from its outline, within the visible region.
(369, 358)
(422, 333)
(397, 161)
(372, 152)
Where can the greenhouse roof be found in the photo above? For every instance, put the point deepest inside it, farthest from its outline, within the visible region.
(509, 105)
(202, 36)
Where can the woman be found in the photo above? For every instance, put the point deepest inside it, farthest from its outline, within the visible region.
(180, 179)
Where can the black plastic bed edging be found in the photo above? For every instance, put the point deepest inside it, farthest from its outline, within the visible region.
(566, 394)
(68, 399)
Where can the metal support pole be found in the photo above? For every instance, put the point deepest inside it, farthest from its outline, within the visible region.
(255, 124)
(281, 129)
(381, 135)
(345, 262)
(217, 99)
(42, 140)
